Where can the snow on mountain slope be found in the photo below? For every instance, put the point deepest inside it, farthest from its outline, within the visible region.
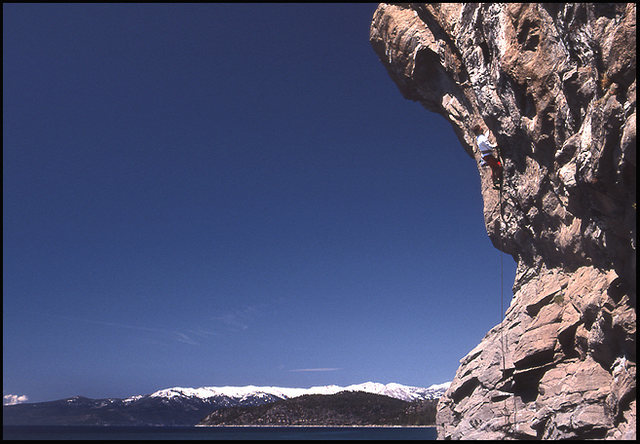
(393, 390)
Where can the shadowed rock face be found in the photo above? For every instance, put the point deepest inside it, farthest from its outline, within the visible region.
(554, 85)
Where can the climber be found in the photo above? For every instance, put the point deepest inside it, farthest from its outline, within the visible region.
(486, 149)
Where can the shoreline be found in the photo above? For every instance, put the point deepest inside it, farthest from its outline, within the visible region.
(227, 426)
(324, 426)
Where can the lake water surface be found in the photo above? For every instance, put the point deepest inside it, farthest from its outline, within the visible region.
(217, 433)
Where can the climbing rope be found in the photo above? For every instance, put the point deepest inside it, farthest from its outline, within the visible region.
(502, 224)
(500, 227)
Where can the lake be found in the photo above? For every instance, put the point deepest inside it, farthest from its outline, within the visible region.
(217, 433)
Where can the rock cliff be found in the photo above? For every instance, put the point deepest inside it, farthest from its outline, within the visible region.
(554, 86)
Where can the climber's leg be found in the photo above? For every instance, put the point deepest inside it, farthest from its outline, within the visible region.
(496, 170)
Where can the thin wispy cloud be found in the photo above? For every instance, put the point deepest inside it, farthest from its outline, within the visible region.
(240, 319)
(178, 336)
(232, 321)
(321, 369)
(202, 333)
(185, 339)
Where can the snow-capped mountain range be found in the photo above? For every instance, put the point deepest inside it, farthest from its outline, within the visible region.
(406, 393)
(186, 406)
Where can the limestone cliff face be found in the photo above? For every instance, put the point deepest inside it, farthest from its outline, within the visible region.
(555, 86)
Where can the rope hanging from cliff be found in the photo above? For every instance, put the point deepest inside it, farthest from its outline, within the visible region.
(502, 224)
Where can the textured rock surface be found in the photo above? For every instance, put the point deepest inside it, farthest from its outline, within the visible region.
(555, 86)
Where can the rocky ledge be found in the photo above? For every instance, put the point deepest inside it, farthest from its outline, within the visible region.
(554, 85)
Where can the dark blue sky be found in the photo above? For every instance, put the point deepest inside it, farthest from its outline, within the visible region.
(222, 194)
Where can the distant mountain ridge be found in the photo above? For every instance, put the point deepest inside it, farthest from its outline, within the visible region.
(394, 390)
(347, 408)
(185, 406)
